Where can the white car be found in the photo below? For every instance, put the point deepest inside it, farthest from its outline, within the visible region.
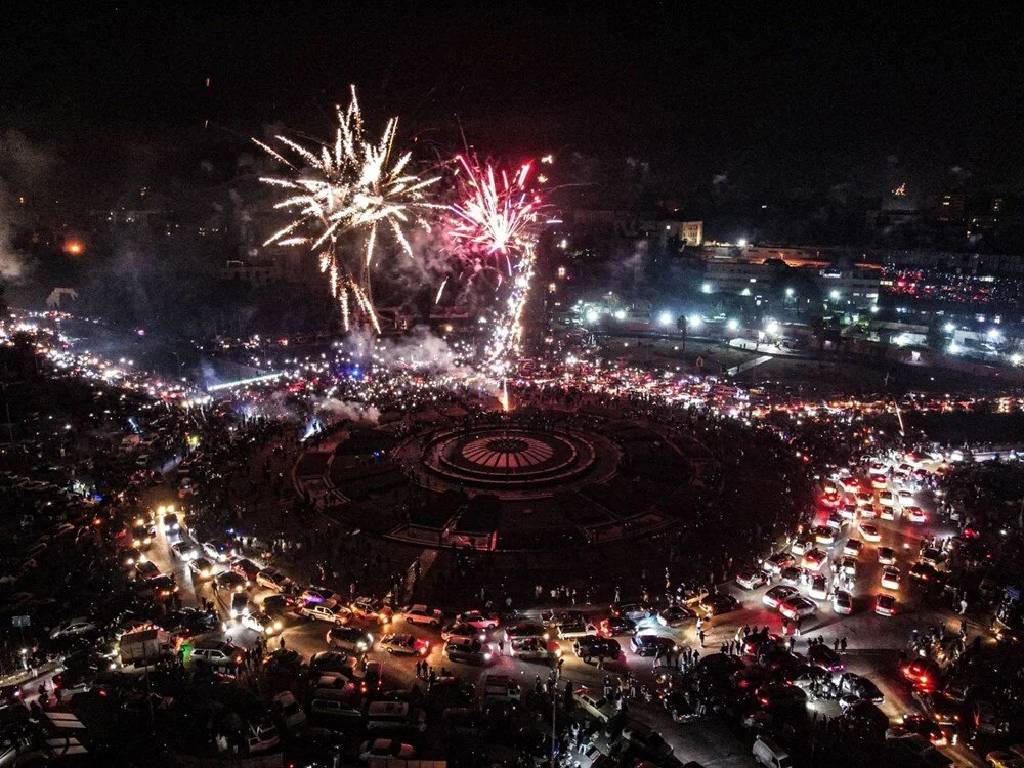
(801, 545)
(261, 623)
(819, 588)
(775, 596)
(915, 514)
(887, 499)
(905, 497)
(270, 578)
(797, 607)
(335, 614)
(751, 578)
(885, 605)
(477, 620)
(814, 560)
(870, 533)
(185, 550)
(421, 614)
(852, 548)
(891, 578)
(843, 602)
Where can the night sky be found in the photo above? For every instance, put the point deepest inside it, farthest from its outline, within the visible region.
(775, 96)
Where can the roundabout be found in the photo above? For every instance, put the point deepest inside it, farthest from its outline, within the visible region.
(533, 480)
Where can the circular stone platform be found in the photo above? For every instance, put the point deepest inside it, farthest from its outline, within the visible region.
(507, 457)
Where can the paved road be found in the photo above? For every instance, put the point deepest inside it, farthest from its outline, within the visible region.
(873, 640)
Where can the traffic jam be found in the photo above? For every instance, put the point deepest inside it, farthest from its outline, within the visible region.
(787, 631)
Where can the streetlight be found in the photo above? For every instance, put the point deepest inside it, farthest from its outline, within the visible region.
(834, 294)
(790, 293)
(665, 318)
(732, 324)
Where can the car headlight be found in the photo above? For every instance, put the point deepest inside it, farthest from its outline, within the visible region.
(268, 630)
(487, 656)
(277, 626)
(130, 561)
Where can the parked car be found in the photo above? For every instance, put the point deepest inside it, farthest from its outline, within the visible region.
(335, 614)
(751, 578)
(421, 614)
(352, 639)
(218, 653)
(404, 645)
(775, 596)
(469, 653)
(201, 568)
(651, 645)
(593, 646)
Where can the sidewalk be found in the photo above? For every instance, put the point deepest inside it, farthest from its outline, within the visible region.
(25, 676)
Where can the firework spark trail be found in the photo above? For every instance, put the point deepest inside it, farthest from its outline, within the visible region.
(349, 185)
(437, 299)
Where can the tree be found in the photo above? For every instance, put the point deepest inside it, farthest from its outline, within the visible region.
(682, 325)
(936, 338)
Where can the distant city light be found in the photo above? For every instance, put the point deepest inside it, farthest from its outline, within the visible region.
(593, 316)
(665, 318)
(74, 247)
(693, 321)
(874, 309)
(705, 287)
(620, 314)
(790, 293)
(834, 294)
(742, 242)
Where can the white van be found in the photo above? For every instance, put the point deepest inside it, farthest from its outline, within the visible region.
(593, 704)
(770, 754)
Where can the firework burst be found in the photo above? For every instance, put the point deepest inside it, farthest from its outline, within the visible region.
(494, 224)
(495, 211)
(351, 185)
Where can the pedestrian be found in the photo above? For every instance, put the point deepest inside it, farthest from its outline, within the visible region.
(282, 643)
(700, 637)
(835, 645)
(842, 645)
(501, 647)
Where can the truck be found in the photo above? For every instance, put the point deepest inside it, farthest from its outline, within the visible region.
(144, 648)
